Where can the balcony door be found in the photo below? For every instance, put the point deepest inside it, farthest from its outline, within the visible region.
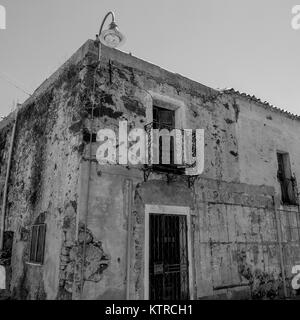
(164, 119)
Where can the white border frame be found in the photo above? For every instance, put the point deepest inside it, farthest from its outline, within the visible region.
(168, 103)
(173, 210)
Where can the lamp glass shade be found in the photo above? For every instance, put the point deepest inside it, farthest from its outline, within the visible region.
(112, 37)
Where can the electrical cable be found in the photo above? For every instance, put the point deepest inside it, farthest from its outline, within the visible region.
(11, 82)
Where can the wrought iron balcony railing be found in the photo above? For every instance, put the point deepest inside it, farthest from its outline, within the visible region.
(170, 149)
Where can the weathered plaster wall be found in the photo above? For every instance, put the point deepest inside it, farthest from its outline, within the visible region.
(238, 243)
(133, 81)
(43, 182)
(261, 133)
(107, 220)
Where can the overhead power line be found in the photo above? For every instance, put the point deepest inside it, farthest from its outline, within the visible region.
(11, 82)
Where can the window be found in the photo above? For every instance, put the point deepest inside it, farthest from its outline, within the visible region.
(37, 244)
(163, 118)
(287, 181)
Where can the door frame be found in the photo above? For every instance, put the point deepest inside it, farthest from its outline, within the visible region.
(172, 210)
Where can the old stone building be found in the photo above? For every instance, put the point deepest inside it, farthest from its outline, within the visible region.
(76, 229)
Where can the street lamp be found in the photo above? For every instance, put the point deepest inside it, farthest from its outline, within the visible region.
(111, 37)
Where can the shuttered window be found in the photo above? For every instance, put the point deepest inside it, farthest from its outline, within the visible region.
(37, 244)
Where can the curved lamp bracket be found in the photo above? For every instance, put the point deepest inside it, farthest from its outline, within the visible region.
(111, 37)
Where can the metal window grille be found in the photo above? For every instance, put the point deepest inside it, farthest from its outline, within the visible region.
(37, 244)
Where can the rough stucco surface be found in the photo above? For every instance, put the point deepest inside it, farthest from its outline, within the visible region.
(235, 246)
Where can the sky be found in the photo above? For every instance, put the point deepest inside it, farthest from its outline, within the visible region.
(249, 45)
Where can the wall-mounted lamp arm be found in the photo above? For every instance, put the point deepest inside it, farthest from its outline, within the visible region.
(103, 21)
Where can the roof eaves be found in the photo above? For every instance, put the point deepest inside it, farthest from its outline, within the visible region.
(264, 104)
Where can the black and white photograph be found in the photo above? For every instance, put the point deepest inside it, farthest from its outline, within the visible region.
(149, 151)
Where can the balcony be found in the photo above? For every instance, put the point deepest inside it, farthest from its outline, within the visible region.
(169, 149)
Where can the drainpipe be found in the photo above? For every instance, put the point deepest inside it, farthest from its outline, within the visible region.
(128, 208)
(2, 226)
(90, 154)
